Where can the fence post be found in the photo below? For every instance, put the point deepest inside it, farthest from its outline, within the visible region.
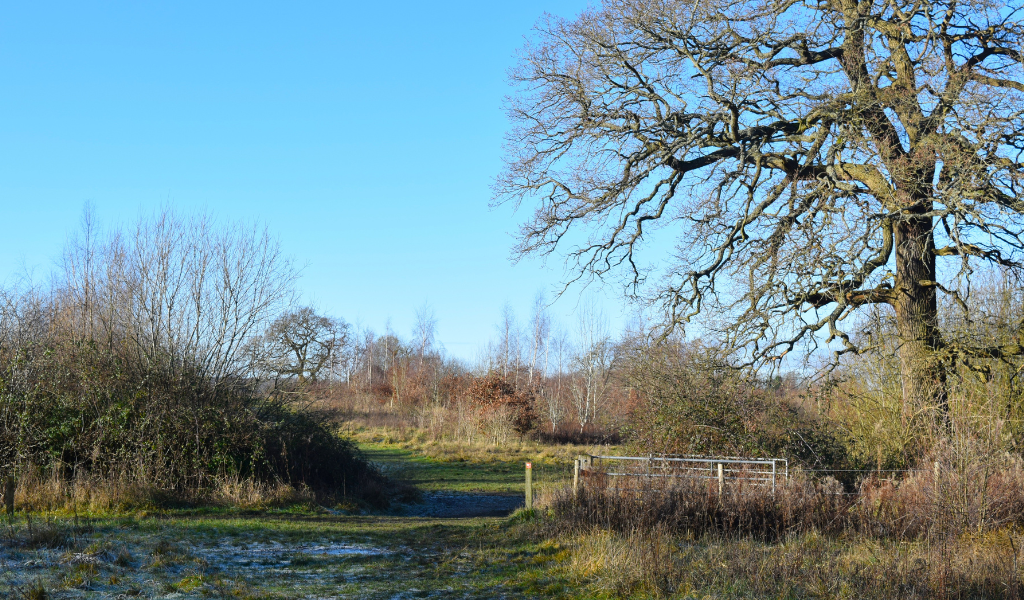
(773, 477)
(936, 471)
(721, 478)
(9, 495)
(529, 485)
(575, 477)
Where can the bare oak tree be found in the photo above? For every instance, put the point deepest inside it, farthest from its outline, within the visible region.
(814, 157)
(305, 346)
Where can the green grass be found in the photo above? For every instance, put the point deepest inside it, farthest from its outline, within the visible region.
(433, 474)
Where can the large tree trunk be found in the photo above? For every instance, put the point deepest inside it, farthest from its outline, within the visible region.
(916, 306)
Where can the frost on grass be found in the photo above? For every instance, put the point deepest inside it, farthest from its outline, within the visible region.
(230, 553)
(129, 564)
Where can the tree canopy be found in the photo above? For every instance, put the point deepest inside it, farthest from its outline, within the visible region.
(812, 157)
(303, 345)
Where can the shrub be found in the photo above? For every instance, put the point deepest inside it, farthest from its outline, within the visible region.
(693, 402)
(133, 372)
(494, 394)
(82, 416)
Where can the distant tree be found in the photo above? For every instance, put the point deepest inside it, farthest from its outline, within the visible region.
(813, 158)
(305, 346)
(592, 365)
(553, 396)
(540, 331)
(509, 351)
(424, 331)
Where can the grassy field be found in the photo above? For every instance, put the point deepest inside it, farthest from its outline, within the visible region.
(434, 465)
(316, 552)
(463, 475)
(307, 554)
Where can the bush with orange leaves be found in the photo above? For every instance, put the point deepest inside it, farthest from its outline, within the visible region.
(493, 393)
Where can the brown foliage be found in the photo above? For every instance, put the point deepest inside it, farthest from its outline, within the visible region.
(493, 392)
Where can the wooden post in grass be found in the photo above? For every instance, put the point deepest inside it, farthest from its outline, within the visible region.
(529, 485)
(721, 478)
(575, 477)
(9, 495)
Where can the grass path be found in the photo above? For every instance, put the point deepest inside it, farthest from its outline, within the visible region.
(432, 474)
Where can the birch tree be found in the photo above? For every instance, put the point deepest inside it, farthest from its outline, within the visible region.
(592, 365)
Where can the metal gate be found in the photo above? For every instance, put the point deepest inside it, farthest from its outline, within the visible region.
(755, 471)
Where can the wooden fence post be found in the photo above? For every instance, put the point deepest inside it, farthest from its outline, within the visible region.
(9, 495)
(721, 478)
(575, 477)
(529, 485)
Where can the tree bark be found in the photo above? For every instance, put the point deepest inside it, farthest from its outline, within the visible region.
(916, 307)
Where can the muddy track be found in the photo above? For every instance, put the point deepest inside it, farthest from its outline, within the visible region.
(454, 505)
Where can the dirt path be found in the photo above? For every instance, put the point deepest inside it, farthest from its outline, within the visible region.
(452, 490)
(462, 505)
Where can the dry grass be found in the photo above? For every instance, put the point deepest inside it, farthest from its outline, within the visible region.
(84, 493)
(952, 503)
(423, 442)
(657, 563)
(910, 538)
(249, 494)
(457, 422)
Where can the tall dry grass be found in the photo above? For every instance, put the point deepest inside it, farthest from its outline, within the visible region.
(915, 507)
(39, 491)
(956, 533)
(657, 563)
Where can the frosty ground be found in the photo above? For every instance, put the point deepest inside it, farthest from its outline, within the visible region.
(451, 543)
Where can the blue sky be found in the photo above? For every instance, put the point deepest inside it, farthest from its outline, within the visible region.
(364, 135)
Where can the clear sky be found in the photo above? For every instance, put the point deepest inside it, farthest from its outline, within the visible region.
(365, 135)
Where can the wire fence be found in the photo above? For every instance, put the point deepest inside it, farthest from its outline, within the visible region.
(621, 471)
(865, 470)
(626, 472)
